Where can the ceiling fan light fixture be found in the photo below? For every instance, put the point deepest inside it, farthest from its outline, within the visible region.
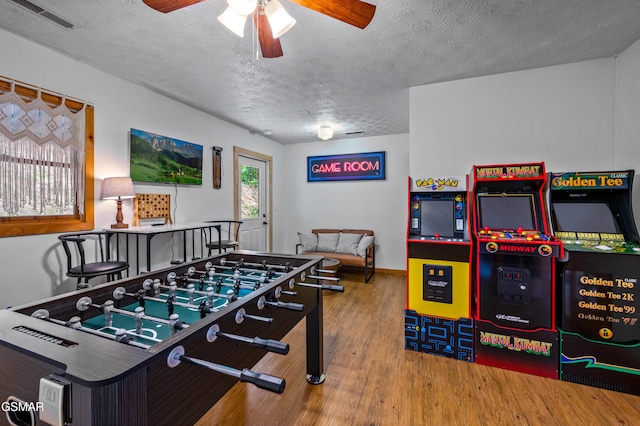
(243, 7)
(325, 132)
(279, 20)
(233, 21)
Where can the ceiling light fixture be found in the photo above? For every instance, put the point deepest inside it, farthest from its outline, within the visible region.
(325, 132)
(235, 15)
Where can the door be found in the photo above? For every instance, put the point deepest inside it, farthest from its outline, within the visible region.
(253, 183)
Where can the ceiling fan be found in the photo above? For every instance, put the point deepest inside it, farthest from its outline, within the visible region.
(271, 20)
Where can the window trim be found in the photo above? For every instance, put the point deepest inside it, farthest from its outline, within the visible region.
(34, 225)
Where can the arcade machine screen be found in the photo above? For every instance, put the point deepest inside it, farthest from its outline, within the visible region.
(506, 212)
(437, 218)
(581, 217)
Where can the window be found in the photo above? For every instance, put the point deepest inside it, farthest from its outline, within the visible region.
(46, 161)
(250, 200)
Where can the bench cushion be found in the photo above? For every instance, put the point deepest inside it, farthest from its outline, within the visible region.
(348, 243)
(345, 259)
(309, 241)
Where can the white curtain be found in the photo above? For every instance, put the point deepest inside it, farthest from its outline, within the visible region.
(41, 157)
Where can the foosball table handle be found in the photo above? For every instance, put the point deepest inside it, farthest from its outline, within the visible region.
(299, 307)
(263, 381)
(271, 345)
(331, 287)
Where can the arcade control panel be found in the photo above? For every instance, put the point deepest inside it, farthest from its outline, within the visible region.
(598, 242)
(519, 242)
(518, 235)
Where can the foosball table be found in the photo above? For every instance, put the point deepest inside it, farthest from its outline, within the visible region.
(162, 347)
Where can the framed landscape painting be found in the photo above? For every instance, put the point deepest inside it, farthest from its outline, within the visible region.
(160, 159)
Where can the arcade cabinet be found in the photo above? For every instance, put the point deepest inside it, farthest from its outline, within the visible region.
(515, 270)
(599, 300)
(438, 305)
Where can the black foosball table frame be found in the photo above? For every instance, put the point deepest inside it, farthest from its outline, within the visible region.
(107, 382)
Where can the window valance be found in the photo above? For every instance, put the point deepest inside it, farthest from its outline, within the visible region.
(42, 152)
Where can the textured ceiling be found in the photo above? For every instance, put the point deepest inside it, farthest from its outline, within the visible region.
(358, 80)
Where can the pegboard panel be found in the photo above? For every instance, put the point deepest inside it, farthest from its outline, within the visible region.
(151, 206)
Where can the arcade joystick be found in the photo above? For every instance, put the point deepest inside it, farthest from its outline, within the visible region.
(520, 231)
(437, 236)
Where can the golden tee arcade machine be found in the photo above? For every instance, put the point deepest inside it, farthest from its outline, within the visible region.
(438, 306)
(599, 318)
(515, 270)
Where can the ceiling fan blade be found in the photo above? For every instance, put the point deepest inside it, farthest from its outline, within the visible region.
(354, 12)
(166, 6)
(271, 47)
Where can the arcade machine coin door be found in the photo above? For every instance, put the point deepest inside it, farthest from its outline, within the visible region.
(438, 306)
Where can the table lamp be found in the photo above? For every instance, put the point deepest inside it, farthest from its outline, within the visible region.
(118, 188)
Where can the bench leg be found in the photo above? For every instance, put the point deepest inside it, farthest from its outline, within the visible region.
(367, 269)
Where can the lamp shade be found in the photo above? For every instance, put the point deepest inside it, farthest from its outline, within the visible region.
(243, 7)
(233, 21)
(279, 20)
(117, 188)
(325, 132)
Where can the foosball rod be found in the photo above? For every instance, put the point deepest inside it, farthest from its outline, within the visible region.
(262, 279)
(263, 301)
(318, 277)
(211, 271)
(149, 284)
(120, 292)
(324, 271)
(261, 380)
(224, 261)
(75, 323)
(331, 287)
(241, 314)
(248, 285)
(85, 302)
(270, 345)
(208, 266)
(249, 270)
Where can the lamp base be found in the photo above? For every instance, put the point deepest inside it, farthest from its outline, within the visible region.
(119, 217)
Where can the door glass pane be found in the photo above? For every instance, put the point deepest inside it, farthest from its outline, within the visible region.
(250, 200)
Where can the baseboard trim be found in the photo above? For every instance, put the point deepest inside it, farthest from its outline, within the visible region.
(358, 269)
(391, 271)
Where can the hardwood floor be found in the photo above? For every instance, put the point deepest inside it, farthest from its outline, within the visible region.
(372, 380)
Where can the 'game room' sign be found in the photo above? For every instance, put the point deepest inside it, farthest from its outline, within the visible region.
(363, 166)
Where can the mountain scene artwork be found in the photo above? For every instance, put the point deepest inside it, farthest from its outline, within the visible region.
(160, 159)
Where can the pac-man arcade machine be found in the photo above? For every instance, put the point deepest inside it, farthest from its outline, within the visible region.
(438, 305)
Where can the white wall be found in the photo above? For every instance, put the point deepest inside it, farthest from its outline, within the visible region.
(581, 116)
(377, 205)
(561, 115)
(119, 106)
(628, 117)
